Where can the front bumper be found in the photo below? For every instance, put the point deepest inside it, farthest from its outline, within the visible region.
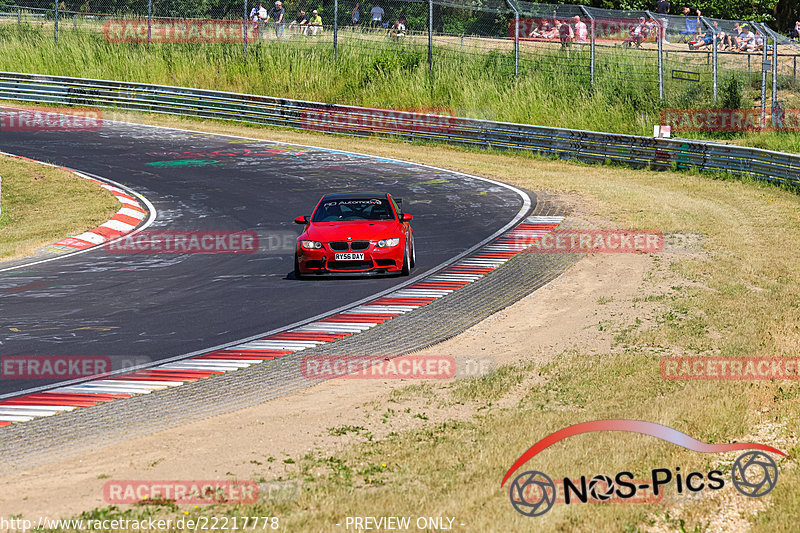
(376, 260)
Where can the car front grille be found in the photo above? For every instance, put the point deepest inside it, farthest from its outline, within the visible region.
(343, 246)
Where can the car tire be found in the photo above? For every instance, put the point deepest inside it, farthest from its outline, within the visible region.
(297, 274)
(406, 262)
(413, 254)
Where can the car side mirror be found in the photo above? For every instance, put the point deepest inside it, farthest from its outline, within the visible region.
(303, 219)
(406, 217)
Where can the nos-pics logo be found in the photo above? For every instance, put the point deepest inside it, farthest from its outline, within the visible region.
(533, 493)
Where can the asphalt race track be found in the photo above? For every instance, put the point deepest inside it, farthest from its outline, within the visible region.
(139, 308)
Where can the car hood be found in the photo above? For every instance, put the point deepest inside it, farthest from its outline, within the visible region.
(357, 231)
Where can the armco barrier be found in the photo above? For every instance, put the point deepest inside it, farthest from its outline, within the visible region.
(588, 146)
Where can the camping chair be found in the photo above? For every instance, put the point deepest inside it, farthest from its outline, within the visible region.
(691, 30)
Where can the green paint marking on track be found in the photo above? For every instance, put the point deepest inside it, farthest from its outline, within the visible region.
(184, 163)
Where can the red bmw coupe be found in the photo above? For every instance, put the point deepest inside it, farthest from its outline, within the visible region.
(355, 233)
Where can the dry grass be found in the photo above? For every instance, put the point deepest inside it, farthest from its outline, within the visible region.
(42, 204)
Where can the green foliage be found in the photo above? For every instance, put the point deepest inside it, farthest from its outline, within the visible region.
(389, 61)
(731, 92)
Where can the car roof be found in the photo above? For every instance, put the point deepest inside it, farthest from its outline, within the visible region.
(355, 195)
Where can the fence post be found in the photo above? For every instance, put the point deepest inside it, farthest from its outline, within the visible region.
(661, 69)
(430, 35)
(150, 19)
(55, 29)
(774, 69)
(714, 69)
(19, 16)
(516, 42)
(591, 45)
(335, 26)
(244, 27)
(764, 68)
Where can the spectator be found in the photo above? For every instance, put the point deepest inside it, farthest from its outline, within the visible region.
(733, 40)
(796, 31)
(398, 29)
(565, 33)
(300, 24)
(745, 39)
(356, 15)
(276, 14)
(756, 43)
(692, 11)
(550, 31)
(637, 34)
(662, 8)
(316, 23)
(257, 15)
(708, 38)
(253, 17)
(377, 14)
(581, 32)
(535, 32)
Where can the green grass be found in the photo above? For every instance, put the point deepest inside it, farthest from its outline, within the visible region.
(39, 206)
(552, 88)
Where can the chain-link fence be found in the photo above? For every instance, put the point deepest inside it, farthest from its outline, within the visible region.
(639, 54)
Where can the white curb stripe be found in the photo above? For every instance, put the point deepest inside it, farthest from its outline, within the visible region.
(117, 225)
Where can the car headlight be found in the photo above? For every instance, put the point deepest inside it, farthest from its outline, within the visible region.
(388, 243)
(310, 245)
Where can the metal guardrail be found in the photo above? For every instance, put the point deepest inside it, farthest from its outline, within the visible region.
(587, 146)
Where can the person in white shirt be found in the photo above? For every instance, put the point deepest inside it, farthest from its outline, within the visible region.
(377, 14)
(581, 32)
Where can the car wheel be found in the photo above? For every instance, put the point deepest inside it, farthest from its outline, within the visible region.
(406, 262)
(413, 254)
(297, 274)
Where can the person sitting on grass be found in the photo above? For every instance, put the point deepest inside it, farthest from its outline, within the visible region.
(398, 29)
(637, 34)
(550, 31)
(745, 38)
(733, 39)
(300, 24)
(756, 43)
(316, 23)
(708, 38)
(542, 30)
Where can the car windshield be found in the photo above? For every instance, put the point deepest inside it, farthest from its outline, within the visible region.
(345, 209)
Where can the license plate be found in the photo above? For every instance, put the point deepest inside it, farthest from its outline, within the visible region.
(349, 257)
